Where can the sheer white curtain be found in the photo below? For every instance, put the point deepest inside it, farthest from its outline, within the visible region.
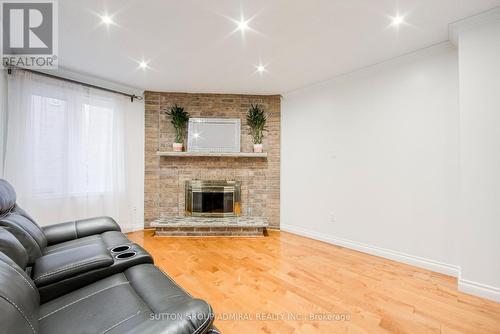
(65, 149)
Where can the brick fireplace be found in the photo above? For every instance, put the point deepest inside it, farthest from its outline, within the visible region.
(165, 177)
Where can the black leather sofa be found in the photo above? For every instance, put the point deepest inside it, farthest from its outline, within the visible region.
(50, 239)
(85, 277)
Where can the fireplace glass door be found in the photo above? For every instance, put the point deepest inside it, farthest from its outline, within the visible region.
(212, 198)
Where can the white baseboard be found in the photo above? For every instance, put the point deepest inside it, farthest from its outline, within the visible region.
(416, 261)
(478, 289)
(466, 286)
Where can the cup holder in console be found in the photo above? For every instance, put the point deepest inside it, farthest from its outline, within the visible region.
(119, 249)
(125, 255)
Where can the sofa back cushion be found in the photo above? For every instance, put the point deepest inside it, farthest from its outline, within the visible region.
(7, 196)
(19, 299)
(10, 246)
(20, 224)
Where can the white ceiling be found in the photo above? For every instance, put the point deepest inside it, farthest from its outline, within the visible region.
(190, 47)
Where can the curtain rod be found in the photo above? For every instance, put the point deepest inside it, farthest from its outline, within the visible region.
(131, 96)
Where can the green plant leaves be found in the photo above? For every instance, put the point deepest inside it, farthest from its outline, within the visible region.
(179, 119)
(256, 121)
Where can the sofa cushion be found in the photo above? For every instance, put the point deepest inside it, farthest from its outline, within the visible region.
(19, 299)
(110, 239)
(19, 223)
(62, 232)
(140, 300)
(10, 246)
(24, 228)
(7, 197)
(57, 266)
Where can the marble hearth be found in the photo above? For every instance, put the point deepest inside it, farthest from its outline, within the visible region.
(206, 226)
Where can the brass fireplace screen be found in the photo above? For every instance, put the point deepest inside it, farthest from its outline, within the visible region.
(213, 198)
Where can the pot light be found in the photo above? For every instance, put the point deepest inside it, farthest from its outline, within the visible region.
(243, 25)
(143, 65)
(397, 20)
(107, 20)
(261, 68)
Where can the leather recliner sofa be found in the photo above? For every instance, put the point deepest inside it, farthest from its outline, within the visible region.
(89, 283)
(53, 238)
(141, 299)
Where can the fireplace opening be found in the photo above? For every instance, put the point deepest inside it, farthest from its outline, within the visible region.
(213, 198)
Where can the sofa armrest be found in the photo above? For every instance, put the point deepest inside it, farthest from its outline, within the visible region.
(53, 268)
(62, 232)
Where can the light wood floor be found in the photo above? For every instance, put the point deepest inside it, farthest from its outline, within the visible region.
(285, 275)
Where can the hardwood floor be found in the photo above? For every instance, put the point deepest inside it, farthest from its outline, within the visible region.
(284, 275)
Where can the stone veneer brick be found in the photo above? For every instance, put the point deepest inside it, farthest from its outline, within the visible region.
(165, 176)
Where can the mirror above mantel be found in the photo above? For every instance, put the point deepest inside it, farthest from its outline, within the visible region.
(214, 135)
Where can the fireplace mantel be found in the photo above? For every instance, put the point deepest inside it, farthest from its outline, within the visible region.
(211, 154)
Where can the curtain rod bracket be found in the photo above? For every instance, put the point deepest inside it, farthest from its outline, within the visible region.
(136, 97)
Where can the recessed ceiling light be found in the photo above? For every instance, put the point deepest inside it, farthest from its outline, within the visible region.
(243, 25)
(143, 65)
(260, 68)
(397, 20)
(107, 20)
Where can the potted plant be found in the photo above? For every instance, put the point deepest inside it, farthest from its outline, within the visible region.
(179, 118)
(256, 121)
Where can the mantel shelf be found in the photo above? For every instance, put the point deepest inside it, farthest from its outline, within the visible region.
(211, 154)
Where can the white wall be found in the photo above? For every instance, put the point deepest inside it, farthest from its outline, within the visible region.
(370, 160)
(479, 68)
(134, 159)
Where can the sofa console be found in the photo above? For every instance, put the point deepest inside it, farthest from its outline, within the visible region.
(62, 272)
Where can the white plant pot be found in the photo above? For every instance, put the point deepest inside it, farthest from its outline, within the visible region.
(258, 148)
(177, 147)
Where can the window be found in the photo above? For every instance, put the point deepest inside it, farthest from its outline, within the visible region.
(66, 149)
(73, 147)
(50, 120)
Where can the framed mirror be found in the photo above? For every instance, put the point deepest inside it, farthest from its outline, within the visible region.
(214, 135)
